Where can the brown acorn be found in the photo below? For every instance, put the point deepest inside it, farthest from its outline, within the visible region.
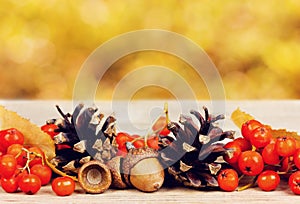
(94, 177)
(143, 170)
(115, 168)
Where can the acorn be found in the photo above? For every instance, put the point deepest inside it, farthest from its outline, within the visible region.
(94, 177)
(143, 170)
(115, 168)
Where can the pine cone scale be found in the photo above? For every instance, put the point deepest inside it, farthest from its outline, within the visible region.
(196, 150)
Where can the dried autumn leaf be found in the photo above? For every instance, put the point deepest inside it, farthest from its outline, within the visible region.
(283, 132)
(33, 135)
(239, 117)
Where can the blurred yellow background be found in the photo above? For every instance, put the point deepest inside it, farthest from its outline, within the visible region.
(255, 44)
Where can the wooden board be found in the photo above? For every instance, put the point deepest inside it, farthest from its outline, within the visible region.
(164, 195)
(279, 114)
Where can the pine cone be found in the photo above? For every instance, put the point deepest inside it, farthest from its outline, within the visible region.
(86, 137)
(191, 153)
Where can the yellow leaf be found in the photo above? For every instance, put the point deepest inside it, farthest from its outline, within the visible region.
(283, 132)
(239, 117)
(33, 135)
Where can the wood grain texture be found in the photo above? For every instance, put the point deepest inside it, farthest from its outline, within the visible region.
(279, 114)
(165, 195)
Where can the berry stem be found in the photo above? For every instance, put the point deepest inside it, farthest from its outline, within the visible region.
(18, 154)
(247, 185)
(27, 161)
(57, 171)
(166, 110)
(145, 140)
(136, 139)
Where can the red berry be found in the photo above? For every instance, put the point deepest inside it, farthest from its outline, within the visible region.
(251, 163)
(270, 155)
(50, 129)
(160, 126)
(294, 182)
(297, 144)
(268, 180)
(122, 138)
(297, 158)
(243, 143)
(9, 185)
(8, 165)
(248, 127)
(285, 146)
(62, 146)
(235, 152)
(228, 180)
(152, 142)
(37, 157)
(9, 137)
(139, 143)
(63, 186)
(17, 151)
(19, 173)
(43, 172)
(30, 184)
(260, 137)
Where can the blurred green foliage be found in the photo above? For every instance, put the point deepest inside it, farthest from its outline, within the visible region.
(254, 44)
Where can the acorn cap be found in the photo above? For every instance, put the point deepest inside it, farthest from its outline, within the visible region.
(94, 177)
(133, 157)
(115, 168)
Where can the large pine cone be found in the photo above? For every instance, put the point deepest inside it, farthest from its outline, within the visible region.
(191, 154)
(86, 137)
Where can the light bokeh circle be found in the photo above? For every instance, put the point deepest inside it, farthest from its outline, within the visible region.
(96, 65)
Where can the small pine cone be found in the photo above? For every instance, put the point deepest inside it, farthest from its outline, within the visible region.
(191, 153)
(86, 138)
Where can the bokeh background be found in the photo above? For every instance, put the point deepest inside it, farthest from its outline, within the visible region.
(254, 44)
